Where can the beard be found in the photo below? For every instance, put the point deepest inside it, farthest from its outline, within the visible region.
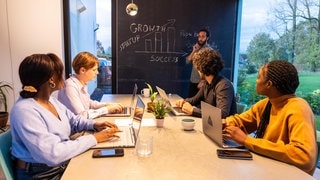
(201, 43)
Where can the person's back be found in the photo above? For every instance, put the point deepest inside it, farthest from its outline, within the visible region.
(217, 90)
(219, 94)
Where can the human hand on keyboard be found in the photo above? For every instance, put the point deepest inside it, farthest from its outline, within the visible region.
(234, 133)
(114, 108)
(98, 126)
(106, 135)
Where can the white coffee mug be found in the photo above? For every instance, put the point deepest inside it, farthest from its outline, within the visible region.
(145, 92)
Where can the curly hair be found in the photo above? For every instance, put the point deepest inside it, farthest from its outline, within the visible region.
(283, 75)
(208, 61)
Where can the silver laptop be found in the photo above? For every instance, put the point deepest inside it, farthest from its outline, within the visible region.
(174, 109)
(129, 134)
(212, 126)
(127, 109)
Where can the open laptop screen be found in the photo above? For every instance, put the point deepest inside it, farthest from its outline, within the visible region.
(137, 116)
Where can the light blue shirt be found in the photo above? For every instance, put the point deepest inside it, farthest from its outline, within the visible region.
(75, 96)
(39, 137)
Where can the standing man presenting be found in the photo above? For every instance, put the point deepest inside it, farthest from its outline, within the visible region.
(195, 83)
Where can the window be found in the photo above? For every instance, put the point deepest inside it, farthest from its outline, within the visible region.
(270, 30)
(104, 45)
(88, 28)
(280, 29)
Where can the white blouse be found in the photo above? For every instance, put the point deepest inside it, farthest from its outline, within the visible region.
(75, 96)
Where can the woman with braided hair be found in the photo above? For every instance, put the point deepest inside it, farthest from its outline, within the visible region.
(284, 123)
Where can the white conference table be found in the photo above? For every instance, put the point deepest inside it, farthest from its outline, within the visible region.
(177, 154)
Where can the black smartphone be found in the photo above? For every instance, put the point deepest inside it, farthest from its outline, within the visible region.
(116, 152)
(234, 154)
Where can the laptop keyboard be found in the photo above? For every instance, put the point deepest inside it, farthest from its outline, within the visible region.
(229, 142)
(126, 110)
(126, 137)
(178, 109)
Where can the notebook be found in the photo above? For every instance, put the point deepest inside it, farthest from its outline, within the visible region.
(127, 109)
(130, 132)
(212, 126)
(174, 109)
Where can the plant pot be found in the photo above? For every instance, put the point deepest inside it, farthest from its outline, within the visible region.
(150, 106)
(3, 119)
(159, 123)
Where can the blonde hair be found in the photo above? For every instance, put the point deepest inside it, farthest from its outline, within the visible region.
(84, 59)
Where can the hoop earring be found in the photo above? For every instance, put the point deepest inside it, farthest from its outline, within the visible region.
(52, 85)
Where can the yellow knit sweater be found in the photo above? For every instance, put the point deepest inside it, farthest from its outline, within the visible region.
(290, 136)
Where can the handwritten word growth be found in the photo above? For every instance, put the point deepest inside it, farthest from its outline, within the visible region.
(135, 28)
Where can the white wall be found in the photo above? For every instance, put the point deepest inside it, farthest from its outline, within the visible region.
(27, 27)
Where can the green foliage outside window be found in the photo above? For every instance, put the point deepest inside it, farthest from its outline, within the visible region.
(313, 99)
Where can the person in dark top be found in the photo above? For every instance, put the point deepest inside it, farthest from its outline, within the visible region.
(217, 90)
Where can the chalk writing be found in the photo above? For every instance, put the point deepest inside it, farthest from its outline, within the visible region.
(164, 59)
(156, 39)
(129, 42)
(185, 34)
(134, 28)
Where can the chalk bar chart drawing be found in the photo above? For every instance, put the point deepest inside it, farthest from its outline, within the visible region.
(161, 40)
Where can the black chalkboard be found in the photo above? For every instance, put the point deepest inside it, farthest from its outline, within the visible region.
(152, 46)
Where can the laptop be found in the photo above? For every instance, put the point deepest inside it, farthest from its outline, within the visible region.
(130, 132)
(127, 109)
(212, 126)
(174, 109)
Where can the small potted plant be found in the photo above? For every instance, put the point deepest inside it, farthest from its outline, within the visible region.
(153, 95)
(160, 110)
(4, 89)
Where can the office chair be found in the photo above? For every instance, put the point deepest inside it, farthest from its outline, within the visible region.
(241, 108)
(5, 155)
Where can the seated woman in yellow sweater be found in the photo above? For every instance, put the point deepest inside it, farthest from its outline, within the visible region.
(284, 123)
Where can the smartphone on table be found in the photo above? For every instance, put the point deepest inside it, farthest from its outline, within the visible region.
(114, 152)
(234, 154)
